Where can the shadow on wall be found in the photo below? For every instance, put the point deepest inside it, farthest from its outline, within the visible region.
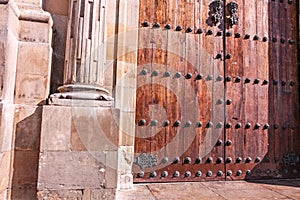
(26, 153)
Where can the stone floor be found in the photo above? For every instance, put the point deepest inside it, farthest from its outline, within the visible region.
(241, 190)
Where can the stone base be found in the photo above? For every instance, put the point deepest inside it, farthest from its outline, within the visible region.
(80, 103)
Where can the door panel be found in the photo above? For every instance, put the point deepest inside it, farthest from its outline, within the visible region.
(218, 94)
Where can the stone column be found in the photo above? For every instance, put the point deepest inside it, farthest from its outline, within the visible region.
(85, 55)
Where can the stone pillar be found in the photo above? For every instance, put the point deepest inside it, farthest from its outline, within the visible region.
(85, 55)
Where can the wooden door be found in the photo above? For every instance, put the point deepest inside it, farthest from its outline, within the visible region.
(208, 107)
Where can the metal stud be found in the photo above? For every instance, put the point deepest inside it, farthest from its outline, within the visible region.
(292, 83)
(178, 28)
(198, 174)
(218, 56)
(282, 41)
(229, 173)
(219, 160)
(199, 77)
(153, 174)
(178, 75)
(290, 1)
(256, 81)
(198, 160)
(220, 101)
(198, 124)
(189, 30)
(248, 172)
(248, 125)
(256, 37)
(209, 125)
(209, 77)
(145, 24)
(164, 174)
(219, 173)
(239, 172)
(228, 78)
(275, 82)
(188, 174)
(276, 159)
(238, 79)
(220, 125)
(154, 122)
(229, 102)
(155, 73)
(167, 74)
(156, 25)
(141, 174)
(228, 34)
(209, 174)
(209, 160)
(188, 124)
(176, 174)
(228, 143)
(274, 39)
(219, 33)
(247, 36)
(237, 35)
(220, 78)
(265, 39)
(238, 125)
(228, 56)
(188, 75)
(229, 160)
(166, 123)
(176, 160)
(257, 160)
(283, 83)
(266, 126)
(239, 160)
(248, 159)
(209, 32)
(219, 142)
(144, 72)
(267, 159)
(228, 125)
(142, 122)
(177, 123)
(168, 26)
(199, 31)
(187, 160)
(257, 126)
(265, 82)
(281, 1)
(291, 41)
(165, 160)
(247, 80)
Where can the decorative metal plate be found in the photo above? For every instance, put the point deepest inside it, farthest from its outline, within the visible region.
(291, 159)
(146, 160)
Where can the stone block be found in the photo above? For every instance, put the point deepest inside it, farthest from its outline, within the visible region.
(33, 2)
(25, 166)
(70, 170)
(59, 194)
(31, 89)
(6, 126)
(34, 58)
(5, 195)
(34, 32)
(54, 8)
(4, 9)
(105, 194)
(76, 143)
(5, 169)
(56, 128)
(96, 127)
(23, 193)
(28, 121)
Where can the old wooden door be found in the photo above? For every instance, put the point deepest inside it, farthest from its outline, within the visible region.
(217, 93)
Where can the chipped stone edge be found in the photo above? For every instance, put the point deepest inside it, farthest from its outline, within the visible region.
(28, 14)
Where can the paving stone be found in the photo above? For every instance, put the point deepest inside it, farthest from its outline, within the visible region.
(139, 192)
(104, 193)
(59, 195)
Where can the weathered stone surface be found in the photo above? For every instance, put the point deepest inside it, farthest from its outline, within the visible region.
(70, 170)
(76, 143)
(25, 168)
(54, 8)
(56, 128)
(34, 32)
(59, 194)
(105, 194)
(5, 194)
(23, 193)
(5, 169)
(28, 121)
(6, 127)
(34, 2)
